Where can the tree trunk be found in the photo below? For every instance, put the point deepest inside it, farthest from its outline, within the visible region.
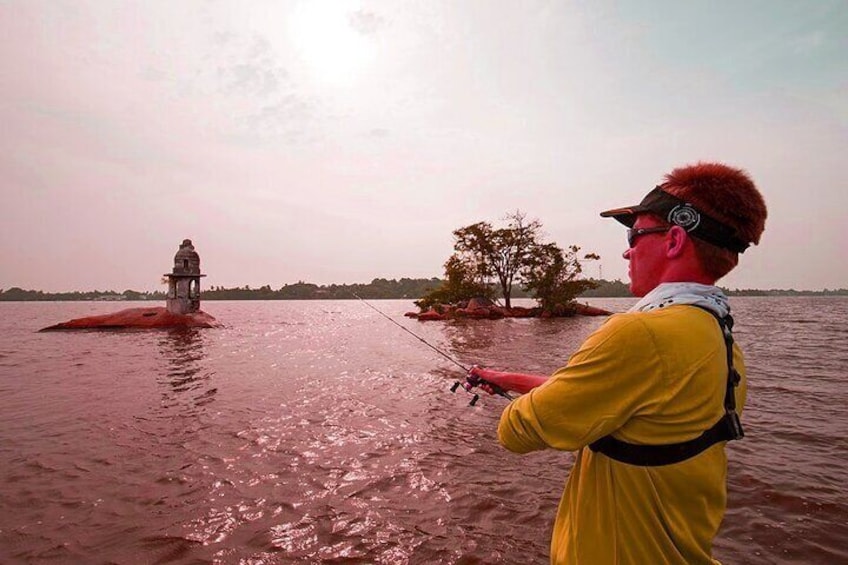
(507, 291)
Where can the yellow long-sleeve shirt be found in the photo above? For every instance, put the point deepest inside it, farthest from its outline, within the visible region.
(653, 377)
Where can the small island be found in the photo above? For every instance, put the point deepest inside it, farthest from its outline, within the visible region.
(488, 260)
(182, 305)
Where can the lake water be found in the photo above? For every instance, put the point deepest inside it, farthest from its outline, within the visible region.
(319, 432)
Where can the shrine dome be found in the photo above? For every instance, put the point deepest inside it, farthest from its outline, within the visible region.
(186, 261)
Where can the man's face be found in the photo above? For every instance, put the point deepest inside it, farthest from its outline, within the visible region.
(646, 256)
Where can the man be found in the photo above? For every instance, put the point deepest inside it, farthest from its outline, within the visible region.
(650, 398)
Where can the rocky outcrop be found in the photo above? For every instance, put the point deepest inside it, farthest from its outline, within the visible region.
(158, 317)
(482, 308)
(575, 309)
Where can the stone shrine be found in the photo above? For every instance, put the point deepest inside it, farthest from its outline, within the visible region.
(184, 281)
(182, 303)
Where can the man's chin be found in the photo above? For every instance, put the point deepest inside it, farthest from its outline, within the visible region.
(636, 291)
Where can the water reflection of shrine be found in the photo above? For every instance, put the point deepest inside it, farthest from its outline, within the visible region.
(187, 376)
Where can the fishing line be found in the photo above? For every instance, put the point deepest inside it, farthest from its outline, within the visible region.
(413, 334)
(470, 382)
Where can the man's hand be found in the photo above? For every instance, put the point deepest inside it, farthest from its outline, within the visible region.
(499, 382)
(486, 379)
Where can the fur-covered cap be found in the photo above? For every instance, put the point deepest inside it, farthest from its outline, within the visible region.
(717, 203)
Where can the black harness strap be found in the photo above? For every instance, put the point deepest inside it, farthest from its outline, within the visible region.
(726, 429)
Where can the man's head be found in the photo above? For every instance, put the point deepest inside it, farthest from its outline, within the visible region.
(714, 208)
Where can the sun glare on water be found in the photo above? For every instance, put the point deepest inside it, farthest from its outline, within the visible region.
(331, 48)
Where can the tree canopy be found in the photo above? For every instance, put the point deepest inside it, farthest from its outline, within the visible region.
(486, 258)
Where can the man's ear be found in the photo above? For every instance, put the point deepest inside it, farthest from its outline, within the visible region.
(676, 242)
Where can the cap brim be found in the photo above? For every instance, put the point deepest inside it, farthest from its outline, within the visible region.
(627, 215)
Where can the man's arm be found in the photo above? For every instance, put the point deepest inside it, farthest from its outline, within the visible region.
(604, 383)
(518, 382)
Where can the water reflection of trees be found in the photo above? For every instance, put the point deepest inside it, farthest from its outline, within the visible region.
(187, 378)
(531, 345)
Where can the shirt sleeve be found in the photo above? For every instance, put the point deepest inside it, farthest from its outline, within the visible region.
(616, 373)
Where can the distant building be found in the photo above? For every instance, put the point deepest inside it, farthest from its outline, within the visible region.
(184, 281)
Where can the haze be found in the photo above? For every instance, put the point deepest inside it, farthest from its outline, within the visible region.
(336, 142)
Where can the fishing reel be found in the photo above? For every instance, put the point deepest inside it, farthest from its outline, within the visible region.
(472, 382)
(468, 388)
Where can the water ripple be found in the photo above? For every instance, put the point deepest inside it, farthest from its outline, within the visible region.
(317, 432)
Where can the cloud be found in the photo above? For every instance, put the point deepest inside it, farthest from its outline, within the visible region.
(366, 23)
(286, 119)
(248, 78)
(257, 100)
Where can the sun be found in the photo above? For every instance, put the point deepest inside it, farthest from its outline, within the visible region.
(331, 49)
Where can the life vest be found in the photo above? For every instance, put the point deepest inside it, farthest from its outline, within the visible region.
(727, 428)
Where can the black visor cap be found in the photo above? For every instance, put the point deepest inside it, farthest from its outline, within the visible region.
(681, 213)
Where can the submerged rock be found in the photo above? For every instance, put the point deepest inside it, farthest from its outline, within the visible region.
(586, 310)
(156, 317)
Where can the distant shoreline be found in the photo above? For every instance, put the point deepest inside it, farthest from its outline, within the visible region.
(377, 289)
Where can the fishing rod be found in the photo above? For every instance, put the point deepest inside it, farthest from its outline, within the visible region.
(471, 381)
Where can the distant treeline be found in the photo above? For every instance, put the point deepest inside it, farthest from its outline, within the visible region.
(16, 294)
(377, 288)
(404, 288)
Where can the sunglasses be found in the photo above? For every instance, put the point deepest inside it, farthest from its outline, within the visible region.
(634, 234)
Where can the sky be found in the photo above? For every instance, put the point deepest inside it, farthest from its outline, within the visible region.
(341, 141)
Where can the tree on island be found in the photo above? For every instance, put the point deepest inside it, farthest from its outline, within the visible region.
(552, 276)
(486, 258)
(460, 284)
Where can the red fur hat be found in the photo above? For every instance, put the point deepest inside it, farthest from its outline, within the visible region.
(714, 202)
(725, 193)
